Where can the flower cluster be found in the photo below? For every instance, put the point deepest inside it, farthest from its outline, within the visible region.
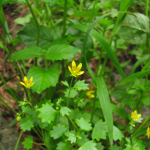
(135, 116)
(90, 95)
(75, 71)
(26, 83)
(148, 132)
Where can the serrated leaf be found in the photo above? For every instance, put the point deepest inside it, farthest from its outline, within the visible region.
(47, 35)
(99, 131)
(99, 146)
(65, 83)
(65, 111)
(27, 53)
(71, 137)
(82, 139)
(57, 131)
(28, 142)
(82, 103)
(72, 94)
(117, 134)
(75, 114)
(47, 113)
(88, 146)
(26, 109)
(62, 146)
(81, 85)
(43, 78)
(26, 124)
(84, 125)
(61, 51)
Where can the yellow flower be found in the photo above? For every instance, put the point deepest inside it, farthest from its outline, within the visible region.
(75, 71)
(26, 83)
(18, 118)
(135, 116)
(90, 95)
(148, 133)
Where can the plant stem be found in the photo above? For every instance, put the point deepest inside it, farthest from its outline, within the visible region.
(93, 107)
(139, 101)
(69, 92)
(37, 26)
(73, 123)
(146, 11)
(18, 140)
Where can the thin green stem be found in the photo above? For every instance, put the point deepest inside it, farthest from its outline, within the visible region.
(50, 15)
(39, 143)
(98, 67)
(29, 95)
(37, 26)
(146, 10)
(37, 133)
(139, 101)
(73, 123)
(18, 140)
(93, 107)
(69, 92)
(104, 65)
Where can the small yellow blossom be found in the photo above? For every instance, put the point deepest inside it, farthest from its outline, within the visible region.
(135, 116)
(75, 71)
(26, 83)
(90, 95)
(18, 118)
(148, 133)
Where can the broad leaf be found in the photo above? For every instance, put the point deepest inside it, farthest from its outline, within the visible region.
(47, 113)
(117, 134)
(99, 146)
(88, 146)
(27, 53)
(71, 137)
(84, 125)
(81, 85)
(63, 146)
(65, 111)
(71, 94)
(12, 1)
(43, 78)
(82, 139)
(99, 131)
(61, 51)
(28, 142)
(57, 131)
(26, 124)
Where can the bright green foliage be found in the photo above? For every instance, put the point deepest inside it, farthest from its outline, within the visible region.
(82, 139)
(135, 145)
(65, 83)
(71, 137)
(12, 1)
(82, 103)
(99, 131)
(65, 111)
(26, 124)
(99, 146)
(117, 134)
(47, 113)
(81, 85)
(72, 94)
(115, 147)
(59, 52)
(43, 78)
(88, 146)
(57, 131)
(27, 53)
(28, 142)
(62, 146)
(75, 114)
(26, 109)
(84, 125)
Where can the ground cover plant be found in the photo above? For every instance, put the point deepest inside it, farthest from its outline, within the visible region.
(60, 106)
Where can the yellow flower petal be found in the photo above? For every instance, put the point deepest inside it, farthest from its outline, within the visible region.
(25, 80)
(31, 79)
(22, 83)
(81, 72)
(79, 67)
(73, 65)
(69, 68)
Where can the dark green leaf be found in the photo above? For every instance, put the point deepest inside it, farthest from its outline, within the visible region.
(26, 124)
(63, 146)
(88, 146)
(28, 142)
(65, 111)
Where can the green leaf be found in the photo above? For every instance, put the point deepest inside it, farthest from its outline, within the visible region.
(81, 85)
(65, 83)
(99, 131)
(47, 113)
(27, 53)
(132, 77)
(28, 142)
(82, 139)
(117, 134)
(84, 125)
(29, 35)
(26, 124)
(60, 51)
(43, 78)
(65, 111)
(75, 114)
(71, 137)
(88, 146)
(57, 131)
(72, 94)
(23, 20)
(99, 146)
(104, 100)
(12, 1)
(63, 146)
